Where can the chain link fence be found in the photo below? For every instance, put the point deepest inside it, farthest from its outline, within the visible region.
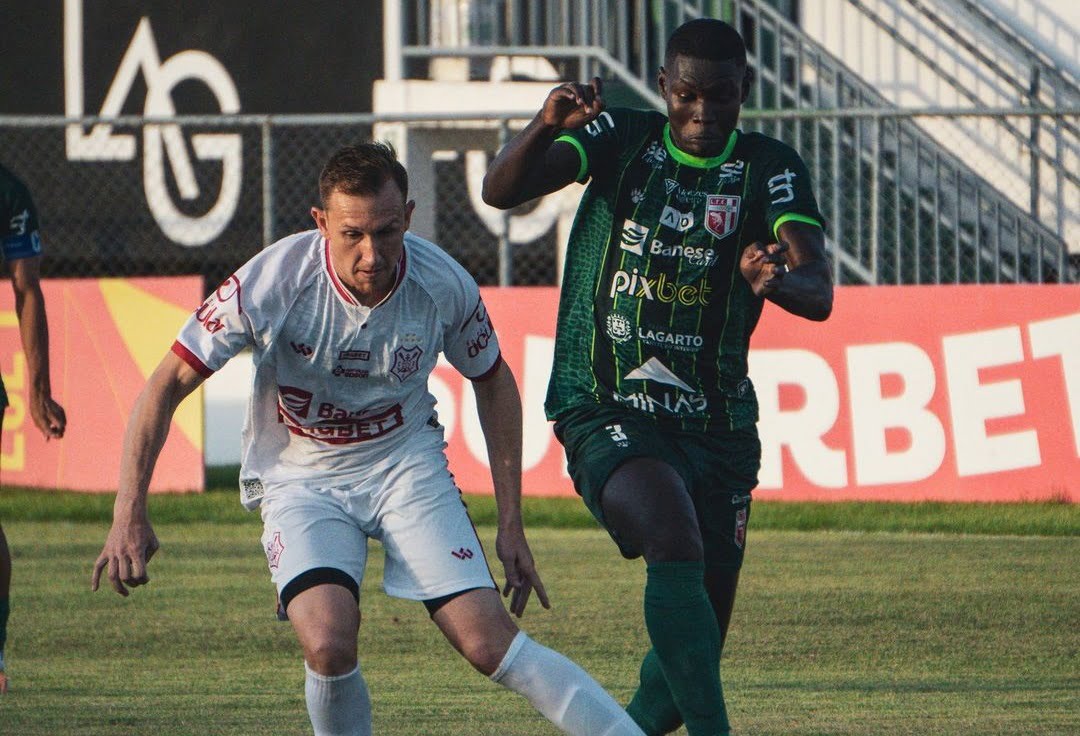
(187, 195)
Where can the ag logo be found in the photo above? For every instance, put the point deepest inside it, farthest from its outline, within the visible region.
(619, 328)
(721, 214)
(633, 236)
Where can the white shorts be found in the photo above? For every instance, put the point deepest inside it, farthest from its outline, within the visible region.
(413, 508)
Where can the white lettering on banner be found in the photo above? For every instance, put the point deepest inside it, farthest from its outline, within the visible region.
(801, 429)
(872, 414)
(536, 432)
(972, 403)
(1061, 336)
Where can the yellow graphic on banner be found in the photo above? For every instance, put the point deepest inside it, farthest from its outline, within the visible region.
(14, 383)
(148, 338)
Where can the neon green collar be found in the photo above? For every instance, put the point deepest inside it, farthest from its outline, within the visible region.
(697, 161)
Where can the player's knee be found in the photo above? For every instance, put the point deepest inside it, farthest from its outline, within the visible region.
(674, 545)
(330, 656)
(484, 653)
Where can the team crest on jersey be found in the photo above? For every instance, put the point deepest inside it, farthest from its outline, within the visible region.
(722, 214)
(619, 328)
(406, 362)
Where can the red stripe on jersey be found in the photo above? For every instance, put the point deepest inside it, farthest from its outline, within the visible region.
(490, 371)
(191, 359)
(345, 293)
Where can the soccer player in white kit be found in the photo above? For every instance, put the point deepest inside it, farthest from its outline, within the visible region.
(342, 443)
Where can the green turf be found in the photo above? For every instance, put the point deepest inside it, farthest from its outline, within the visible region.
(834, 633)
(221, 505)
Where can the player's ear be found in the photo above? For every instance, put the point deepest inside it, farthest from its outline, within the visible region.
(661, 83)
(748, 82)
(319, 216)
(409, 207)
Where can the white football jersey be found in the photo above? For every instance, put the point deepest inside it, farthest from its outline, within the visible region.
(337, 385)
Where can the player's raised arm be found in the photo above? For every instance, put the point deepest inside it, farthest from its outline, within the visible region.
(498, 405)
(532, 163)
(131, 541)
(793, 273)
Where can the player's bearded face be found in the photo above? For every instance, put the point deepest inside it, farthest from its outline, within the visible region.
(703, 102)
(367, 236)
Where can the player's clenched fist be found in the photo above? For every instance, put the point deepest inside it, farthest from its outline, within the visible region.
(764, 266)
(572, 105)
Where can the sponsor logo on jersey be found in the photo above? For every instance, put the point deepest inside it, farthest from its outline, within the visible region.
(675, 403)
(18, 223)
(619, 328)
(654, 369)
(732, 171)
(295, 401)
(694, 256)
(274, 549)
(670, 185)
(617, 435)
(205, 316)
(781, 185)
(655, 155)
(483, 330)
(722, 214)
(341, 371)
(596, 127)
(632, 236)
(339, 426)
(673, 340)
(462, 553)
(354, 355)
(676, 219)
(302, 349)
(659, 289)
(406, 362)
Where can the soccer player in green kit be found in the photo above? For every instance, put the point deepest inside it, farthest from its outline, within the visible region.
(687, 226)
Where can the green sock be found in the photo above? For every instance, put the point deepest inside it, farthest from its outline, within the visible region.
(686, 639)
(4, 610)
(652, 706)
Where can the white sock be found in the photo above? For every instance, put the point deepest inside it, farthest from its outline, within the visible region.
(338, 705)
(562, 692)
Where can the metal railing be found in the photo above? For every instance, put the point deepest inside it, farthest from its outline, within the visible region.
(900, 210)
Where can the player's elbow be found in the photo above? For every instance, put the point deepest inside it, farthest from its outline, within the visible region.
(495, 196)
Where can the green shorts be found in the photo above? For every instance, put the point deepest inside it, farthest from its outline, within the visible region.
(719, 468)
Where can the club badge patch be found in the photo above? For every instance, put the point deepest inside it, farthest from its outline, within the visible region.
(406, 362)
(740, 528)
(722, 214)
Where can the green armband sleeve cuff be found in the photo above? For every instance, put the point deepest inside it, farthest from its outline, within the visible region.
(791, 217)
(584, 168)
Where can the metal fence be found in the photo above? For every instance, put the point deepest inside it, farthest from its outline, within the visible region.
(200, 195)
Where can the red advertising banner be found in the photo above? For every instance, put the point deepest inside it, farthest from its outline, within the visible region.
(106, 337)
(946, 393)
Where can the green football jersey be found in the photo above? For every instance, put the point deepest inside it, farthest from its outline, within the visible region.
(654, 313)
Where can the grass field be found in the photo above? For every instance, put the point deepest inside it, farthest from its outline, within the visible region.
(914, 619)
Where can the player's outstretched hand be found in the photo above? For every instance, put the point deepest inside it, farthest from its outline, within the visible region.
(521, 575)
(127, 551)
(572, 105)
(764, 266)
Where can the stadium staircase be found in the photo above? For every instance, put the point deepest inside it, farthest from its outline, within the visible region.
(914, 191)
